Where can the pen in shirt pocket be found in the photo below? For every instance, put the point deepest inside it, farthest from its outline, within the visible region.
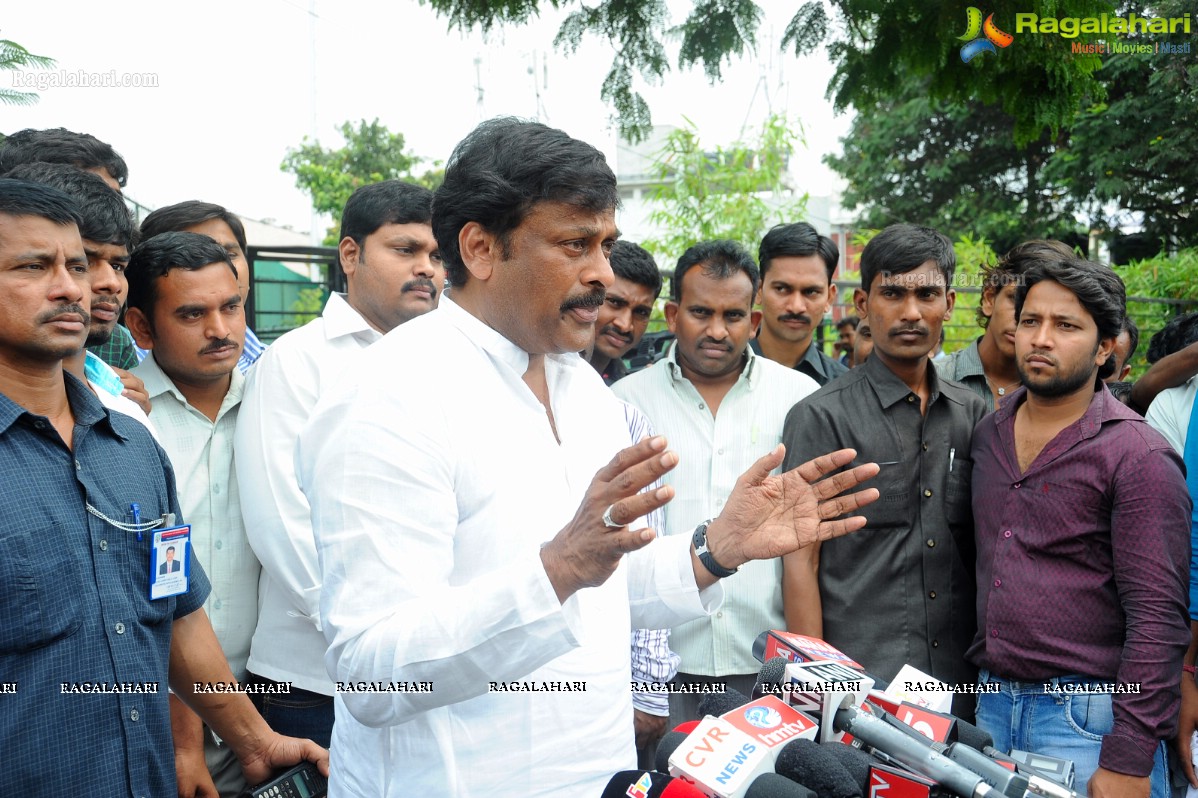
(952, 455)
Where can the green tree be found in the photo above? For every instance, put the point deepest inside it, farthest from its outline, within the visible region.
(952, 166)
(874, 46)
(735, 192)
(1135, 151)
(13, 58)
(371, 153)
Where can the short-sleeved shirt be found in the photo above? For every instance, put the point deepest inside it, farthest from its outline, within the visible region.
(75, 612)
(901, 590)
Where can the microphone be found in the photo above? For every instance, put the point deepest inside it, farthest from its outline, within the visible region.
(647, 784)
(855, 761)
(808, 763)
(719, 703)
(669, 743)
(770, 678)
(919, 755)
(892, 782)
(720, 760)
(825, 686)
(771, 785)
(798, 648)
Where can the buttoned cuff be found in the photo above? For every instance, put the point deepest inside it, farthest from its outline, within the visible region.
(1131, 756)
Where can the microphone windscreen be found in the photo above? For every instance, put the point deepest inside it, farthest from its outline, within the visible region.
(666, 747)
(806, 762)
(646, 783)
(854, 760)
(687, 727)
(973, 736)
(718, 703)
(773, 673)
(771, 785)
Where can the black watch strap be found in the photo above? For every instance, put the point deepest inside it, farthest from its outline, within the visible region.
(700, 542)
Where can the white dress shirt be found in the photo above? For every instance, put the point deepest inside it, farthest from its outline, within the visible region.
(280, 393)
(713, 451)
(202, 453)
(434, 479)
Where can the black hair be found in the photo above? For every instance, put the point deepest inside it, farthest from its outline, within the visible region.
(387, 202)
(1133, 337)
(1010, 267)
(720, 259)
(501, 170)
(158, 255)
(1177, 334)
(797, 240)
(182, 215)
(901, 248)
(633, 263)
(23, 198)
(59, 145)
(1097, 288)
(850, 320)
(106, 218)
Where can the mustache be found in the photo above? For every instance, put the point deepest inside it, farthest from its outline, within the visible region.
(611, 330)
(803, 317)
(420, 283)
(713, 342)
(218, 345)
(907, 328)
(74, 308)
(592, 300)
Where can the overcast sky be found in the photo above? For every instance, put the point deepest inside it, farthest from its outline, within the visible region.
(240, 82)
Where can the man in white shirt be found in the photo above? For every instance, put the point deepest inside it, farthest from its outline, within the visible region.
(185, 307)
(721, 406)
(471, 510)
(394, 273)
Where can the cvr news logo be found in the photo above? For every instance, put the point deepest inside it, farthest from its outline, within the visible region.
(981, 37)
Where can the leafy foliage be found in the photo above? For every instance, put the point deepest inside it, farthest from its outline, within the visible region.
(13, 58)
(735, 192)
(876, 46)
(1134, 153)
(953, 167)
(371, 153)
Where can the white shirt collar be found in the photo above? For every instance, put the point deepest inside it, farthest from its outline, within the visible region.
(341, 318)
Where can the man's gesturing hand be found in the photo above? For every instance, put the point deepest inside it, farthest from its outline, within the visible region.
(587, 551)
(769, 516)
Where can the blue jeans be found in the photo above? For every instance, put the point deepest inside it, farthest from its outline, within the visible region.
(1066, 725)
(299, 713)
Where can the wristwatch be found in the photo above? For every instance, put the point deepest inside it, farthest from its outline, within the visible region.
(700, 542)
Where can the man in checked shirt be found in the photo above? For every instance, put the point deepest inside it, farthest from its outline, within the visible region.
(1078, 501)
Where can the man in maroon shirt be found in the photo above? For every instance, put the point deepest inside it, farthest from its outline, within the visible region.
(1082, 517)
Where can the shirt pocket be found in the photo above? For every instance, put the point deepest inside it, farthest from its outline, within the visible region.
(958, 499)
(39, 587)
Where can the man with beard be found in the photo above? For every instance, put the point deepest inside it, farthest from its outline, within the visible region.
(721, 406)
(901, 592)
(185, 307)
(624, 316)
(1077, 495)
(987, 366)
(394, 273)
(797, 265)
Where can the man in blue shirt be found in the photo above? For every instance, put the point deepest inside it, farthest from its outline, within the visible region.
(83, 648)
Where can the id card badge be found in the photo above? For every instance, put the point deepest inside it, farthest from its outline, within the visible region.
(169, 562)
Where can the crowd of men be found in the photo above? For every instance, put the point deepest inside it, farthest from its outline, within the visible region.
(442, 530)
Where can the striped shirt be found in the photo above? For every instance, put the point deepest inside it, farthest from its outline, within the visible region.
(713, 451)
